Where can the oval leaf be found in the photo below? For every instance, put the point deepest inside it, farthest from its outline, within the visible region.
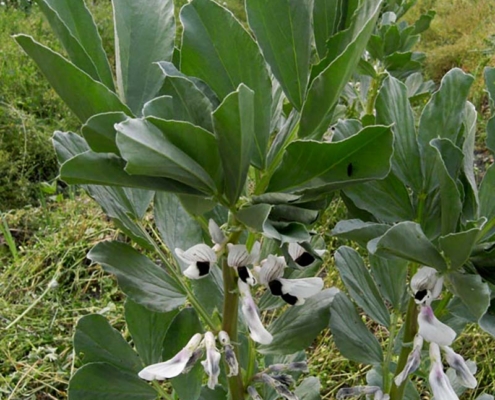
(142, 280)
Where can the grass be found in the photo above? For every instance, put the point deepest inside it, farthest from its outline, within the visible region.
(48, 244)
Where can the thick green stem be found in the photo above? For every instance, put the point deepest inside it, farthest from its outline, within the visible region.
(373, 94)
(229, 324)
(390, 350)
(251, 362)
(410, 330)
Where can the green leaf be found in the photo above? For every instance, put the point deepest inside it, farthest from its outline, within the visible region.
(139, 278)
(457, 247)
(218, 394)
(153, 151)
(449, 162)
(393, 108)
(487, 321)
(177, 228)
(196, 142)
(100, 133)
(286, 44)
(256, 217)
(471, 197)
(108, 169)
(359, 231)
(188, 102)
(387, 199)
(68, 145)
(104, 381)
(144, 35)
(472, 291)
(390, 277)
(183, 327)
(218, 50)
(406, 240)
(442, 117)
(75, 27)
(351, 336)
(233, 123)
(487, 199)
(121, 204)
(74, 49)
(360, 284)
(310, 164)
(82, 94)
(327, 16)
(490, 127)
(309, 389)
(148, 330)
(324, 91)
(99, 342)
(297, 327)
(423, 22)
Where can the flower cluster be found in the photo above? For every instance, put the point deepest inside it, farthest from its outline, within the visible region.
(185, 359)
(275, 377)
(426, 286)
(269, 273)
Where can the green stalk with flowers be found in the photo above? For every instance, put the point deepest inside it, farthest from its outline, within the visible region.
(232, 141)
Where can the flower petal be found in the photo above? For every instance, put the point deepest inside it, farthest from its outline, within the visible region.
(253, 393)
(257, 331)
(216, 233)
(432, 330)
(464, 375)
(238, 255)
(212, 362)
(279, 387)
(197, 270)
(302, 288)
(272, 268)
(413, 361)
(439, 382)
(199, 252)
(173, 367)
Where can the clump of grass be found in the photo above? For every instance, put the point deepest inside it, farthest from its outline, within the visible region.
(38, 316)
(461, 35)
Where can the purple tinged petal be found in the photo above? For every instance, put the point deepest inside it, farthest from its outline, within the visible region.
(464, 375)
(253, 393)
(257, 331)
(413, 361)
(432, 330)
(212, 362)
(279, 387)
(439, 382)
(357, 391)
(173, 367)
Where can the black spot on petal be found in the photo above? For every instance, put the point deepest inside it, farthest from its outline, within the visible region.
(420, 294)
(275, 287)
(288, 298)
(305, 259)
(203, 267)
(243, 273)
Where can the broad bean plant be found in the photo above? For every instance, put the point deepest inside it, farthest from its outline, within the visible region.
(216, 151)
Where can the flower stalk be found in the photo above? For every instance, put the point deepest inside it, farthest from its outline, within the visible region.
(410, 330)
(230, 317)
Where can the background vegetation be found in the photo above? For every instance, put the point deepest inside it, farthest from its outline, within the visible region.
(46, 283)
